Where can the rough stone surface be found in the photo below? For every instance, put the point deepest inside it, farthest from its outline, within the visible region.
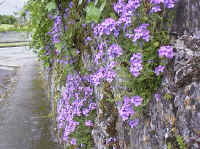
(187, 18)
(178, 115)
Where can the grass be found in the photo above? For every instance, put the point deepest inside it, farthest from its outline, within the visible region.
(14, 44)
(9, 27)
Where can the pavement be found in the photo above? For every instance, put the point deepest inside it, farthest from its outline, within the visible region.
(11, 59)
(13, 36)
(24, 106)
(7, 81)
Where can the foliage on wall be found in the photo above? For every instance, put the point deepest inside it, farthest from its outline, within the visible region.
(126, 39)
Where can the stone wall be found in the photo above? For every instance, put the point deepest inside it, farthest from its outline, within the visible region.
(176, 113)
(164, 119)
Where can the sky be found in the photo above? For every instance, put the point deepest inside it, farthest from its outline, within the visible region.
(9, 7)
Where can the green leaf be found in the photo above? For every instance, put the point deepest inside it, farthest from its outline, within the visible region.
(46, 64)
(58, 46)
(112, 15)
(103, 5)
(51, 6)
(156, 44)
(80, 2)
(96, 2)
(92, 13)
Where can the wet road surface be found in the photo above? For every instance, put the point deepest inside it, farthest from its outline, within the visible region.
(23, 116)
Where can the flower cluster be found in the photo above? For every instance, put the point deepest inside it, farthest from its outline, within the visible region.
(56, 30)
(107, 74)
(126, 11)
(119, 7)
(75, 101)
(136, 64)
(114, 51)
(127, 110)
(141, 32)
(101, 53)
(106, 27)
(166, 51)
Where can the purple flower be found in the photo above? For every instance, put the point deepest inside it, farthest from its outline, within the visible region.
(159, 70)
(166, 51)
(71, 4)
(73, 141)
(136, 100)
(98, 76)
(167, 3)
(84, 25)
(157, 1)
(110, 140)
(170, 3)
(101, 52)
(110, 75)
(126, 111)
(92, 106)
(77, 51)
(88, 38)
(136, 64)
(85, 112)
(116, 33)
(141, 32)
(133, 123)
(125, 10)
(55, 31)
(119, 6)
(75, 97)
(128, 35)
(65, 138)
(106, 27)
(157, 97)
(50, 16)
(88, 123)
(57, 52)
(104, 74)
(98, 56)
(155, 9)
(114, 51)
